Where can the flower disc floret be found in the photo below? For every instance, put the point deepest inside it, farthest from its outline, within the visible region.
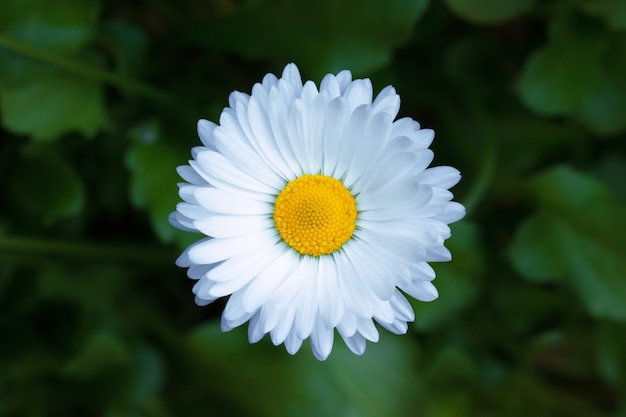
(315, 214)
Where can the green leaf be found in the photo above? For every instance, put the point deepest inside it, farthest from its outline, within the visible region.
(49, 107)
(612, 11)
(576, 235)
(535, 254)
(611, 352)
(93, 288)
(103, 352)
(544, 84)
(457, 281)
(269, 382)
(153, 163)
(37, 98)
(486, 12)
(46, 185)
(320, 36)
(62, 26)
(128, 44)
(603, 110)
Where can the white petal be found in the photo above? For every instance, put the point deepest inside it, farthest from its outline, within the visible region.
(335, 121)
(347, 325)
(231, 226)
(269, 279)
(291, 74)
(357, 296)
(230, 202)
(451, 213)
(300, 135)
(344, 78)
(331, 306)
(397, 327)
(422, 290)
(255, 329)
(421, 271)
(372, 270)
(215, 166)
(190, 175)
(351, 139)
(259, 122)
(322, 341)
(290, 288)
(246, 264)
(269, 317)
(370, 143)
(181, 222)
(401, 192)
(234, 315)
(402, 308)
(379, 174)
(438, 254)
(443, 177)
(387, 101)
(355, 343)
(402, 246)
(367, 329)
(293, 342)
(277, 114)
(306, 310)
(241, 154)
(192, 211)
(209, 251)
(282, 329)
(205, 132)
(331, 85)
(359, 92)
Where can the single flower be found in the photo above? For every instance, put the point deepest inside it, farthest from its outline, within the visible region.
(319, 210)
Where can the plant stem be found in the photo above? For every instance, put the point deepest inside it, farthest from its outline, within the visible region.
(18, 246)
(83, 70)
(489, 162)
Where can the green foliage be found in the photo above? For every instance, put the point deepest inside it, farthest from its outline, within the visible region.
(322, 36)
(44, 185)
(576, 234)
(38, 99)
(98, 106)
(477, 11)
(342, 385)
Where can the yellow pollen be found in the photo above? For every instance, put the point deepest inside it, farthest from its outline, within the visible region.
(315, 214)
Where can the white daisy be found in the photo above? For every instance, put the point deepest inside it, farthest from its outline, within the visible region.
(319, 211)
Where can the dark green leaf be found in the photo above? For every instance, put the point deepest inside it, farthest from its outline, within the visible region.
(478, 11)
(342, 385)
(49, 107)
(603, 110)
(103, 352)
(560, 75)
(577, 235)
(611, 352)
(46, 185)
(536, 254)
(153, 164)
(320, 36)
(62, 26)
(613, 11)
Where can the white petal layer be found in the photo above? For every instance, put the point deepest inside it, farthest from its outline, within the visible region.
(286, 128)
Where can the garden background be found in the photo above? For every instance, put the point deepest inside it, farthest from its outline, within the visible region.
(98, 105)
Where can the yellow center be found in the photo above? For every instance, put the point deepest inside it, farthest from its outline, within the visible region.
(315, 214)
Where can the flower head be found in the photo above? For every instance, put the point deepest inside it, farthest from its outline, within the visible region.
(319, 211)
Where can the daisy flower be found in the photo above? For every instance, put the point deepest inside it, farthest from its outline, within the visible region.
(319, 210)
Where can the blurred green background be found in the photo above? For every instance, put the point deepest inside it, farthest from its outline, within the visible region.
(98, 105)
